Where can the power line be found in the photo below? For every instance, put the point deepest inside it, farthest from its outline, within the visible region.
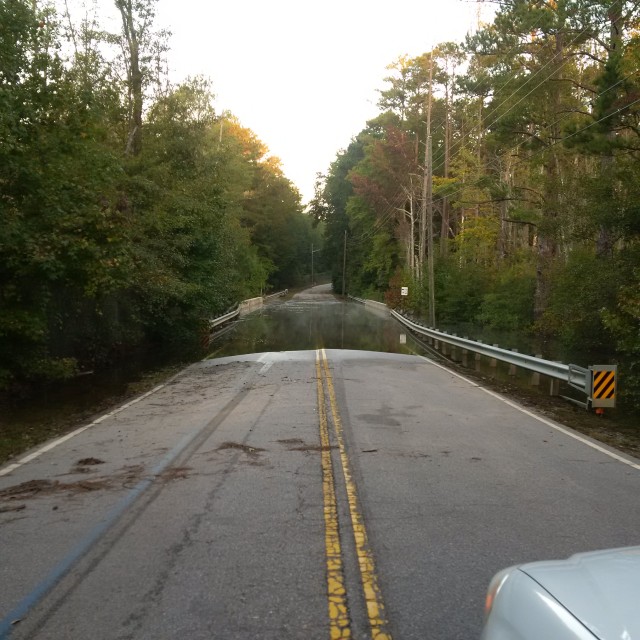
(553, 144)
(480, 127)
(567, 115)
(575, 133)
(386, 215)
(388, 212)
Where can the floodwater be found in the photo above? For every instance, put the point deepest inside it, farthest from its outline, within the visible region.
(316, 319)
(310, 320)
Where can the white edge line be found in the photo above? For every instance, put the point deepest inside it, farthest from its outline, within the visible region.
(553, 425)
(268, 360)
(52, 445)
(265, 367)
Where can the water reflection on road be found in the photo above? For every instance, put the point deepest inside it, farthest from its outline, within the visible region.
(310, 320)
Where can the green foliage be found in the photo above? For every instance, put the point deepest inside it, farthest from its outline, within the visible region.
(622, 321)
(329, 206)
(476, 241)
(371, 257)
(582, 289)
(460, 290)
(282, 236)
(535, 179)
(100, 252)
(509, 304)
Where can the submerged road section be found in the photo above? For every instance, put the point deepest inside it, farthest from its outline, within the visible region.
(305, 495)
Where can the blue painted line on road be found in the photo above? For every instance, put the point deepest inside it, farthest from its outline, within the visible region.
(9, 622)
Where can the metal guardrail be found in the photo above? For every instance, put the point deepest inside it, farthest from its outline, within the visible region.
(216, 322)
(577, 377)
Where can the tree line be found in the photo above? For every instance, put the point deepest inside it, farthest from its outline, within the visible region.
(131, 211)
(534, 126)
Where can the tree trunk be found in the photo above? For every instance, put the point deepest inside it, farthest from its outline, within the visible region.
(135, 76)
(444, 226)
(604, 242)
(547, 241)
(502, 237)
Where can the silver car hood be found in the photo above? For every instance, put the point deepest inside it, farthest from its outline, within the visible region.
(601, 589)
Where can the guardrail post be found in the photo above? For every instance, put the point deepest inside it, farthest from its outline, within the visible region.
(465, 356)
(554, 386)
(512, 367)
(535, 376)
(454, 351)
(494, 363)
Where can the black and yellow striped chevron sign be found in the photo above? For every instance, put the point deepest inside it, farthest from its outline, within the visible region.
(603, 385)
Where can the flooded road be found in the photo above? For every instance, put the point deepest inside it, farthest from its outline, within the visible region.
(313, 319)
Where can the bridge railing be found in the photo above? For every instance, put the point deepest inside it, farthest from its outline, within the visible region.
(246, 306)
(227, 317)
(278, 294)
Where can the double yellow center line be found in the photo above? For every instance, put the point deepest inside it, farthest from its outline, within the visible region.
(339, 619)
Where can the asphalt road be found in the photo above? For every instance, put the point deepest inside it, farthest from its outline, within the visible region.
(304, 495)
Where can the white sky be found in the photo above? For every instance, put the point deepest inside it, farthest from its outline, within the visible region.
(303, 75)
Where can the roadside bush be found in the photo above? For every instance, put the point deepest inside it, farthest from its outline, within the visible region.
(622, 320)
(581, 290)
(509, 305)
(460, 290)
